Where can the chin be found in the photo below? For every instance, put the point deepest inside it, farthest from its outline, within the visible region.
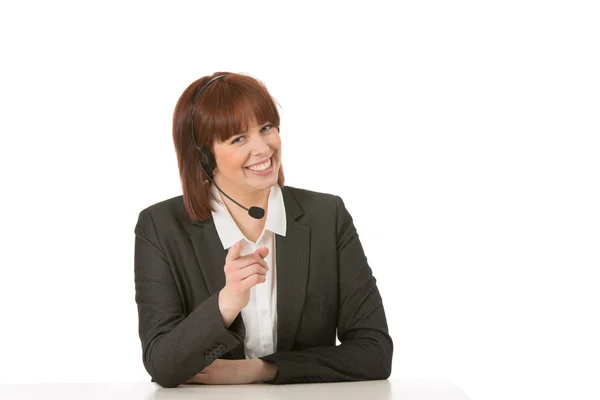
(265, 183)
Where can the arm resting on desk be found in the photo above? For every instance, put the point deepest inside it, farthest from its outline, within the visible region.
(366, 348)
(174, 347)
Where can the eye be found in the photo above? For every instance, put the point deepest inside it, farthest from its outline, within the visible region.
(234, 141)
(263, 129)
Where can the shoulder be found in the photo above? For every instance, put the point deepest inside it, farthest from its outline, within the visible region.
(301, 194)
(173, 206)
(163, 212)
(316, 205)
(310, 198)
(324, 211)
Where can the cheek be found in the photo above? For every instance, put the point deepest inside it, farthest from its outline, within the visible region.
(239, 161)
(275, 144)
(231, 161)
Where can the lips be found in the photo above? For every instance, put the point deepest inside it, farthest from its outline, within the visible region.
(265, 172)
(260, 162)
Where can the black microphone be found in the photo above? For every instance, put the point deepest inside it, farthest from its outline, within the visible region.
(254, 212)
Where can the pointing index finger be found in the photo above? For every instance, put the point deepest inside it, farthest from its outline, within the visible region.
(234, 251)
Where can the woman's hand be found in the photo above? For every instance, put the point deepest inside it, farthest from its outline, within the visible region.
(241, 273)
(235, 372)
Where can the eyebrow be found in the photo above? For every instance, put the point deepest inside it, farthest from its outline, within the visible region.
(266, 123)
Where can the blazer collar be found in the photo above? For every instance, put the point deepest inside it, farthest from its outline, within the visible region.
(292, 262)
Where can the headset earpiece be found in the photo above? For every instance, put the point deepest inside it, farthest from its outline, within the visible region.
(207, 161)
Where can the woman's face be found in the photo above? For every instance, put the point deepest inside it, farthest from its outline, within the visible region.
(258, 144)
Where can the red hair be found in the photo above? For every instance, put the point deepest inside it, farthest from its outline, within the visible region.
(225, 108)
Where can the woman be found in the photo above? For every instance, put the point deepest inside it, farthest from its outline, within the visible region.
(228, 295)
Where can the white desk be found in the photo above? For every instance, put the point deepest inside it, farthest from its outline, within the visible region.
(393, 389)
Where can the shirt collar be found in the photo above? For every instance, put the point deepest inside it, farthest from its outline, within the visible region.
(228, 231)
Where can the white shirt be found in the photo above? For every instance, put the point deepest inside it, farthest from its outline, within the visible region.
(260, 315)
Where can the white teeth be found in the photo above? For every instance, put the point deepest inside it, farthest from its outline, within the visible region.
(261, 167)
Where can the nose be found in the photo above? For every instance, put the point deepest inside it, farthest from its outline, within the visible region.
(260, 145)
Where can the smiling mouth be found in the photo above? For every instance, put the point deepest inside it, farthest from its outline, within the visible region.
(269, 161)
(262, 162)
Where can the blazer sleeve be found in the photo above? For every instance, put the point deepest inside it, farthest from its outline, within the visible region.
(366, 348)
(175, 347)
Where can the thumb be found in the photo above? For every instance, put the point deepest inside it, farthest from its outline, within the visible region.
(263, 251)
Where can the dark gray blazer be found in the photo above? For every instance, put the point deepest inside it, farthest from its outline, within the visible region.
(324, 283)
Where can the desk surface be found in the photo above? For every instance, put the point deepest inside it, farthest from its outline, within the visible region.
(418, 389)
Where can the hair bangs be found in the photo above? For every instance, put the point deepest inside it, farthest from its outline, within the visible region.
(236, 106)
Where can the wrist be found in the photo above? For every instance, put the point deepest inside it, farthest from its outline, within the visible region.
(228, 312)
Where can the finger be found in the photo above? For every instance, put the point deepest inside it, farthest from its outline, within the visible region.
(249, 259)
(253, 280)
(261, 252)
(251, 270)
(234, 251)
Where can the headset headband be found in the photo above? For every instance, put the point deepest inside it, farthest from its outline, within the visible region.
(196, 97)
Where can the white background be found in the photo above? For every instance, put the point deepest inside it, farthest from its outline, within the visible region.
(462, 136)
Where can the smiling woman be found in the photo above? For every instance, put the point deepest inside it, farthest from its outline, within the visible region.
(231, 112)
(230, 295)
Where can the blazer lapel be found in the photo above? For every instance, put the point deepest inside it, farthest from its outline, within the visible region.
(292, 259)
(210, 255)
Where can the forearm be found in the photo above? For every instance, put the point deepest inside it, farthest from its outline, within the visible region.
(173, 357)
(366, 358)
